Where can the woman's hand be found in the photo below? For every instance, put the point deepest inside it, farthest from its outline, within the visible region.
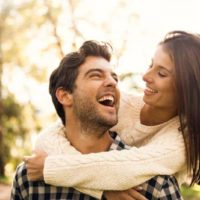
(130, 194)
(35, 165)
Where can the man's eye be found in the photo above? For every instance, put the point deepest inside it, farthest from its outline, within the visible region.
(96, 75)
(116, 79)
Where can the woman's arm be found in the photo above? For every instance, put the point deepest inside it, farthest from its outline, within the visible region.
(118, 170)
(52, 141)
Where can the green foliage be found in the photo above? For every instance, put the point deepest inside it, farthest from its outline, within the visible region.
(18, 121)
(190, 193)
(39, 74)
(28, 30)
(14, 128)
(4, 180)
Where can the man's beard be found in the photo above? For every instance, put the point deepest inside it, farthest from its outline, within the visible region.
(90, 117)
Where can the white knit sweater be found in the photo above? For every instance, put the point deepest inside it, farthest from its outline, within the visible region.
(156, 150)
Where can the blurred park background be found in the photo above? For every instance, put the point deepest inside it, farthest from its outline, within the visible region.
(36, 34)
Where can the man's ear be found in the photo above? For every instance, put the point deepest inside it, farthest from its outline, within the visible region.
(64, 97)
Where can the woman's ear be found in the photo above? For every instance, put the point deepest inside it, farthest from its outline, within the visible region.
(64, 97)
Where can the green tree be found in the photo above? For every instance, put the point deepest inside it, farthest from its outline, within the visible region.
(63, 25)
(3, 16)
(13, 40)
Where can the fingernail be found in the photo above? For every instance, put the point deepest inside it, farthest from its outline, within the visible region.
(139, 188)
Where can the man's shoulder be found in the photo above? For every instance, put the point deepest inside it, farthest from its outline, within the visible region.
(162, 187)
(24, 189)
(48, 136)
(20, 183)
(21, 174)
(118, 143)
(21, 169)
(53, 129)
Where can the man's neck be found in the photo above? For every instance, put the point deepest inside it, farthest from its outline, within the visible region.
(88, 141)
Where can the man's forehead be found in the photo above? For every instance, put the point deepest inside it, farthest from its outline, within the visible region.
(93, 63)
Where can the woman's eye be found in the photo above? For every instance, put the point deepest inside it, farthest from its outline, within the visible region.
(150, 66)
(162, 74)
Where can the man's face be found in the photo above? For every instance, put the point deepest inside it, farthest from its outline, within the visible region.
(96, 94)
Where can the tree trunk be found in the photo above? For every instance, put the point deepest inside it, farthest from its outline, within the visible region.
(2, 162)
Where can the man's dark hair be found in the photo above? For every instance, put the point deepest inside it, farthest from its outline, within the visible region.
(64, 76)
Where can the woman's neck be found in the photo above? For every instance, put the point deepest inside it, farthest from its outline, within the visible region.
(151, 116)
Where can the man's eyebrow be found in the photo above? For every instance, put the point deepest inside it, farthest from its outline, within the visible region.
(99, 70)
(93, 70)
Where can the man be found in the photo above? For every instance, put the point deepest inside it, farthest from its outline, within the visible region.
(85, 93)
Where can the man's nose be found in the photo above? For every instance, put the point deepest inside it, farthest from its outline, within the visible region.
(110, 82)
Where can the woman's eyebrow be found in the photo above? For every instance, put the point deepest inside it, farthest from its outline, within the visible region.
(162, 67)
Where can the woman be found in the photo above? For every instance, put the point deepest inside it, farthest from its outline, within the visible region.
(164, 127)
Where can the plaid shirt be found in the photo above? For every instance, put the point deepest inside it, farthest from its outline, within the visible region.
(159, 187)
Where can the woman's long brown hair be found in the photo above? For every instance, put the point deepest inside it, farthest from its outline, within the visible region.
(184, 50)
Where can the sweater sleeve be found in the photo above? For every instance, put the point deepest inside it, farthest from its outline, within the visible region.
(51, 141)
(119, 170)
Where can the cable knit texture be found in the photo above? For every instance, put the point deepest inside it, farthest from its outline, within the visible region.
(155, 150)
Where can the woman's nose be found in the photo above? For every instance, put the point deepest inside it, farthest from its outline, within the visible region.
(147, 77)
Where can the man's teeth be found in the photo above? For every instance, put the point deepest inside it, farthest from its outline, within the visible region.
(105, 98)
(151, 90)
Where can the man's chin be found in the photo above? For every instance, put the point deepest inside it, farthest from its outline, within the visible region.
(112, 123)
(107, 121)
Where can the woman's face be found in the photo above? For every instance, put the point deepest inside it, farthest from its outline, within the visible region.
(160, 90)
